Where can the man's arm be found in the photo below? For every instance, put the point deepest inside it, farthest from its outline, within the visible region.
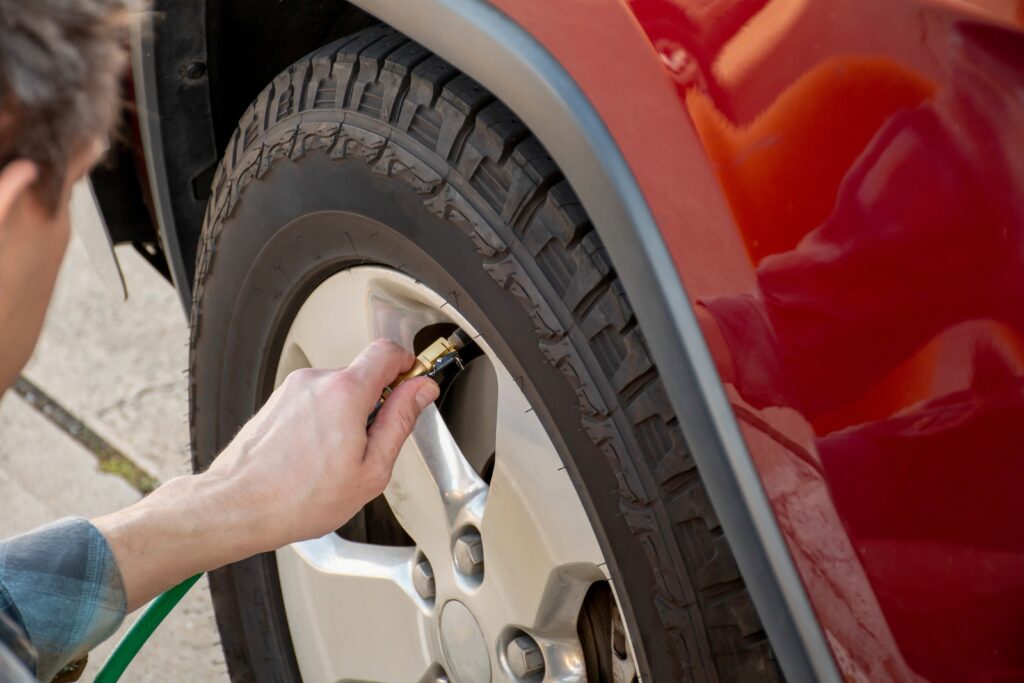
(302, 467)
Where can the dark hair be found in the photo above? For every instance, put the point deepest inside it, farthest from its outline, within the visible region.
(61, 63)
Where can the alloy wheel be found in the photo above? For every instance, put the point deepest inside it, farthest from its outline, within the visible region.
(488, 573)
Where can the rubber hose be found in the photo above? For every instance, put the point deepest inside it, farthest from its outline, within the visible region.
(141, 630)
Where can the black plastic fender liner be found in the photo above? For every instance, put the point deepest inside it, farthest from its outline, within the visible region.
(172, 143)
(491, 48)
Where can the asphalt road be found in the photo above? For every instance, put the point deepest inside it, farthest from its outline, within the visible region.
(118, 370)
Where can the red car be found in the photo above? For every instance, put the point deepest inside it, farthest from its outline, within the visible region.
(745, 284)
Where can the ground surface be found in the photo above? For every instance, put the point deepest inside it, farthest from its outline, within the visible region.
(119, 369)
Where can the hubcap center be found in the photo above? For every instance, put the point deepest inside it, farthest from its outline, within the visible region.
(464, 644)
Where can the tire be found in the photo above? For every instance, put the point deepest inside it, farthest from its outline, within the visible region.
(372, 150)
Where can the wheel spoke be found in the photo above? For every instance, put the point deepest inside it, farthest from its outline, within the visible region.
(353, 611)
(433, 489)
(540, 552)
(398, 314)
(321, 336)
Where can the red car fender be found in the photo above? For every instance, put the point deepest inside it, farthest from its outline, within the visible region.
(837, 184)
(863, 280)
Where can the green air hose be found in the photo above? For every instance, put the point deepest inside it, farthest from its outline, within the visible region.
(141, 630)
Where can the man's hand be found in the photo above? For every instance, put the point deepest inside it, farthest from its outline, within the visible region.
(306, 460)
(302, 467)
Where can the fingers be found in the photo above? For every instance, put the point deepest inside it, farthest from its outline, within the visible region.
(371, 371)
(396, 419)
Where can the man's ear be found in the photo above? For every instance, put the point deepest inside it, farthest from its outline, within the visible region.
(15, 178)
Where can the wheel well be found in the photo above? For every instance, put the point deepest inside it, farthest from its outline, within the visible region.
(252, 41)
(203, 84)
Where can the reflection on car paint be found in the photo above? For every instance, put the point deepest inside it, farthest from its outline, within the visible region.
(862, 292)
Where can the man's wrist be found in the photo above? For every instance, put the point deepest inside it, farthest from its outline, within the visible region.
(188, 525)
(221, 524)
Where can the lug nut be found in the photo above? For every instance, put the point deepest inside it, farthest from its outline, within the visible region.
(469, 554)
(524, 657)
(423, 579)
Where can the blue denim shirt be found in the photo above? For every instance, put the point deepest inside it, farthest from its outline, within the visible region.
(61, 594)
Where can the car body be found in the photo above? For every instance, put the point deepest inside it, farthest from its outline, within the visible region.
(816, 208)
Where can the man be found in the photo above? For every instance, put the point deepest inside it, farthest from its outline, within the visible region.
(302, 466)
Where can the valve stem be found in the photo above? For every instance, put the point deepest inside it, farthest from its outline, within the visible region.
(442, 353)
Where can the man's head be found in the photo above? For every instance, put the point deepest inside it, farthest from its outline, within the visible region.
(61, 62)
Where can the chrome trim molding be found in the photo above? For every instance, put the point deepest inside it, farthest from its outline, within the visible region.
(490, 47)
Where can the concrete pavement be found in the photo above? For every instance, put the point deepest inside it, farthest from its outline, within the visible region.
(119, 369)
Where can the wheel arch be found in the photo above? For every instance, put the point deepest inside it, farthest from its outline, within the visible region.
(195, 67)
(196, 115)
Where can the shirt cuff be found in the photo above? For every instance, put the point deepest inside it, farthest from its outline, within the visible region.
(67, 587)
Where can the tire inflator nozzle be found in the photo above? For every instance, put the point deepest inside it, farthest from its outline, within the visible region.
(440, 355)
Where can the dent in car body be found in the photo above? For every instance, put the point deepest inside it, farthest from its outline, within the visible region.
(839, 183)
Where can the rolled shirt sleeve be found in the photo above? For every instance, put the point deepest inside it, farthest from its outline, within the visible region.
(62, 586)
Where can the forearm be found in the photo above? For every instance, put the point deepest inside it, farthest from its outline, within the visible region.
(189, 525)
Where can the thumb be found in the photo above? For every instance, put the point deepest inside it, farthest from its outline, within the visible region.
(397, 417)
